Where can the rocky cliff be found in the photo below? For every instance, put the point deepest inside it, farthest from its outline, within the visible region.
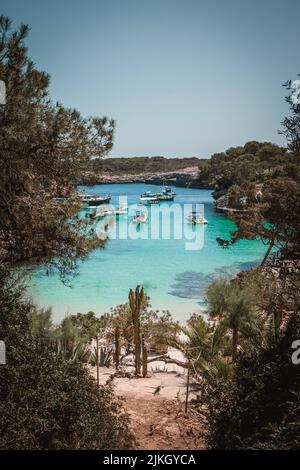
(186, 177)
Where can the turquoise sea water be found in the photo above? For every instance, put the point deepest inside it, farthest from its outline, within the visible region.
(174, 277)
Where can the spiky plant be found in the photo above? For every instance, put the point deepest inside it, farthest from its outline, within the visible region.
(105, 356)
(136, 301)
(69, 344)
(202, 346)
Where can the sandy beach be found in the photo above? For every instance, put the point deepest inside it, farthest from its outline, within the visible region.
(156, 405)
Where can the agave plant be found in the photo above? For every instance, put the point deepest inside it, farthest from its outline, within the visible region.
(105, 356)
(73, 351)
(70, 344)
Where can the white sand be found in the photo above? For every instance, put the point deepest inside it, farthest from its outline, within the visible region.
(168, 380)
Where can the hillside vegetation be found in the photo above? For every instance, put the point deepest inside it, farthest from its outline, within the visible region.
(136, 165)
(254, 163)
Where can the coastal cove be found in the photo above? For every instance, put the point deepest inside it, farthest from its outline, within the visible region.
(173, 277)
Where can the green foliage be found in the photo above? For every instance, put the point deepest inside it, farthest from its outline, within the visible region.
(136, 303)
(69, 343)
(275, 220)
(235, 307)
(88, 325)
(154, 326)
(203, 346)
(47, 400)
(136, 165)
(44, 147)
(261, 181)
(72, 338)
(254, 163)
(41, 324)
(105, 357)
(258, 407)
(291, 124)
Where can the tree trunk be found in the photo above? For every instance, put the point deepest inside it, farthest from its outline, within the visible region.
(187, 389)
(135, 336)
(97, 359)
(167, 360)
(138, 343)
(277, 316)
(117, 346)
(267, 253)
(136, 301)
(235, 340)
(145, 357)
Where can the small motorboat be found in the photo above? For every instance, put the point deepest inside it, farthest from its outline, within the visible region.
(151, 202)
(98, 200)
(148, 196)
(140, 217)
(84, 197)
(167, 194)
(121, 210)
(165, 197)
(104, 210)
(196, 218)
(94, 200)
(168, 190)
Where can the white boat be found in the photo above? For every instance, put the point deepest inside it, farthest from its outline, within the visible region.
(168, 190)
(103, 211)
(196, 218)
(94, 201)
(164, 197)
(140, 217)
(151, 202)
(148, 196)
(167, 194)
(106, 209)
(122, 209)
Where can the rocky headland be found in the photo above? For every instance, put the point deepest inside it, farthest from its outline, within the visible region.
(186, 177)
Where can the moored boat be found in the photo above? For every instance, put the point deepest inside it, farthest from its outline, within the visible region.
(104, 210)
(148, 196)
(165, 197)
(140, 217)
(93, 200)
(121, 210)
(196, 218)
(167, 194)
(151, 202)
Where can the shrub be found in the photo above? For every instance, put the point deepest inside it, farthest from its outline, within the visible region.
(258, 408)
(48, 402)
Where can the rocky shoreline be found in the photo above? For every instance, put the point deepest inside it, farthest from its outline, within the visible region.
(186, 177)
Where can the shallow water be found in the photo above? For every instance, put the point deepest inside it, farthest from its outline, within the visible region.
(174, 277)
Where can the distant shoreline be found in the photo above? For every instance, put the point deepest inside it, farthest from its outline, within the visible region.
(182, 172)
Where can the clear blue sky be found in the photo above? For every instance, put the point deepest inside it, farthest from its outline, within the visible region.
(181, 77)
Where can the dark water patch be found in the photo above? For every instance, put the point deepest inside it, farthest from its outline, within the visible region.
(192, 284)
(234, 268)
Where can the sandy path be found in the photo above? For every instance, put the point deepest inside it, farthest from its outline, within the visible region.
(156, 408)
(160, 424)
